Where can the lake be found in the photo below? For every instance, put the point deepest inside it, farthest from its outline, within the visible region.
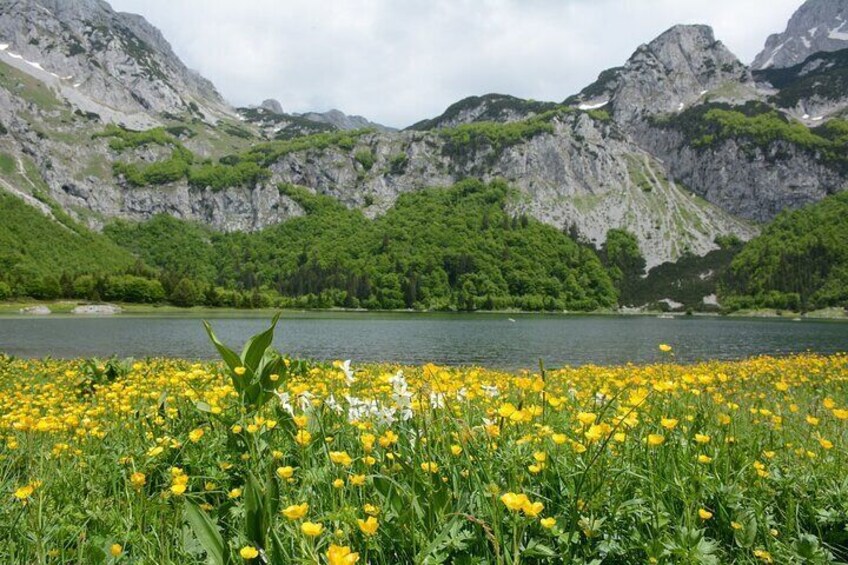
(508, 341)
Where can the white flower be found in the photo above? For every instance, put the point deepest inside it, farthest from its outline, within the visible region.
(437, 400)
(285, 402)
(348, 372)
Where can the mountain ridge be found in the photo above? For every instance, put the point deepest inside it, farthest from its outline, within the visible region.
(624, 153)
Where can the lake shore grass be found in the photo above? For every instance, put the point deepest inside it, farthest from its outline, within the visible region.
(176, 461)
(14, 307)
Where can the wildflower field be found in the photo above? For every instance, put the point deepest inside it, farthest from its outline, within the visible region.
(263, 459)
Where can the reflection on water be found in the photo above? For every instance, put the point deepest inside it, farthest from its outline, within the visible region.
(506, 341)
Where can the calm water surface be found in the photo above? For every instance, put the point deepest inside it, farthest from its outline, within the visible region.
(507, 341)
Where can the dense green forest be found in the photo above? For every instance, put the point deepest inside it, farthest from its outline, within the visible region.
(800, 262)
(457, 248)
(35, 250)
(451, 248)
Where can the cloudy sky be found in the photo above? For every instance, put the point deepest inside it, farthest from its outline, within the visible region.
(399, 61)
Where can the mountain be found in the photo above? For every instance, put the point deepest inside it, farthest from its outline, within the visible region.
(677, 69)
(342, 121)
(113, 64)
(680, 147)
(488, 108)
(812, 90)
(818, 25)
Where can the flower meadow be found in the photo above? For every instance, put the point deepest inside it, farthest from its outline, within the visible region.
(264, 459)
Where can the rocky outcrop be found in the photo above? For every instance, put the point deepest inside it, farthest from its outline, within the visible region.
(748, 181)
(272, 105)
(673, 71)
(89, 51)
(585, 176)
(340, 120)
(500, 108)
(812, 90)
(818, 25)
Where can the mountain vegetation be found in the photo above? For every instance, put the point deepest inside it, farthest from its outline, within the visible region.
(800, 262)
(451, 248)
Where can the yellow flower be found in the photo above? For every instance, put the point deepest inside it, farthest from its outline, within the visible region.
(296, 511)
(513, 501)
(840, 413)
(548, 523)
(388, 438)
(665, 348)
(370, 509)
(369, 526)
(559, 439)
(736, 525)
(340, 458)
(248, 552)
(825, 443)
(341, 555)
(138, 480)
(240, 371)
(763, 555)
(704, 514)
(338, 483)
(195, 435)
(507, 410)
(704, 459)
(812, 420)
(430, 467)
(235, 493)
(312, 529)
(829, 403)
(285, 472)
(655, 440)
(115, 549)
(178, 488)
(302, 437)
(669, 423)
(702, 438)
(533, 509)
(357, 480)
(455, 449)
(586, 418)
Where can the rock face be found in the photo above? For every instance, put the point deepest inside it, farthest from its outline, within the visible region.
(585, 175)
(752, 183)
(272, 106)
(673, 71)
(818, 25)
(118, 60)
(813, 90)
(340, 120)
(488, 108)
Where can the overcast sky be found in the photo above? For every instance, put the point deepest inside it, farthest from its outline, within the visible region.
(400, 61)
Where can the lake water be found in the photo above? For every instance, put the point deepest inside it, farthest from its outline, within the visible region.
(508, 341)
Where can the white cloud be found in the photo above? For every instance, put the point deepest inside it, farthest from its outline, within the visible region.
(399, 61)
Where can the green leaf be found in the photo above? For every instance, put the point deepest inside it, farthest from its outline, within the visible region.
(228, 355)
(206, 532)
(747, 534)
(254, 515)
(255, 347)
(538, 549)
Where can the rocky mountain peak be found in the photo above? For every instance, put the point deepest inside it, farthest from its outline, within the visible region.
(116, 65)
(818, 25)
(666, 75)
(272, 105)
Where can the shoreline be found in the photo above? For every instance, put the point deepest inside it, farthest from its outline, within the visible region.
(63, 308)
